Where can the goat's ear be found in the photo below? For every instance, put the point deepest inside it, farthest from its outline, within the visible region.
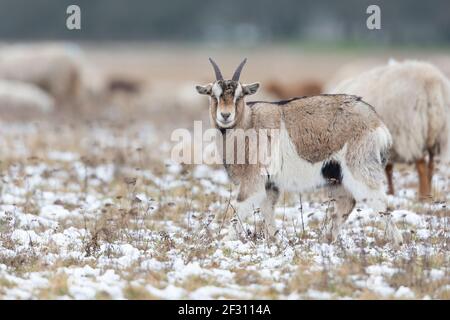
(204, 89)
(251, 88)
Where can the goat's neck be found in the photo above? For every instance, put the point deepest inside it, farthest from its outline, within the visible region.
(244, 123)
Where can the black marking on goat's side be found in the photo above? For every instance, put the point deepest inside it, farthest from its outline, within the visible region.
(332, 172)
(272, 187)
(278, 103)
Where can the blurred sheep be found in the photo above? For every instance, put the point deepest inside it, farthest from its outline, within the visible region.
(24, 98)
(413, 99)
(53, 68)
(62, 70)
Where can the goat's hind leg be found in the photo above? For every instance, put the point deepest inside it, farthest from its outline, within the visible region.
(371, 192)
(343, 206)
(377, 201)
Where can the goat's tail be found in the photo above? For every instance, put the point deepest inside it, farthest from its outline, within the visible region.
(369, 156)
(383, 141)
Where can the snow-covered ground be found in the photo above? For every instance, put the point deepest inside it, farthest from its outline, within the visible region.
(98, 211)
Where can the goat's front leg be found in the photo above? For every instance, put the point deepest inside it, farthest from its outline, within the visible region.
(250, 197)
(268, 207)
(343, 206)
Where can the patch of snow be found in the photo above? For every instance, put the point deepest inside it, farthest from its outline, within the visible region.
(170, 292)
(211, 292)
(54, 212)
(25, 237)
(320, 295)
(404, 292)
(63, 156)
(407, 216)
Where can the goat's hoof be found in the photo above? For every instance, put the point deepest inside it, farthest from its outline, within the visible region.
(396, 239)
(330, 235)
(398, 242)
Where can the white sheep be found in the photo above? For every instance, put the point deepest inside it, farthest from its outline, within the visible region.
(54, 68)
(413, 99)
(23, 98)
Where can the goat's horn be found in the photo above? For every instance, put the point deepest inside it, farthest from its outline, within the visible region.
(216, 70)
(237, 73)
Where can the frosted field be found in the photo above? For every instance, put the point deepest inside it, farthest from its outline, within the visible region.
(97, 211)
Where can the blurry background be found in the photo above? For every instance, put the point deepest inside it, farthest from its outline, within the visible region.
(251, 22)
(140, 59)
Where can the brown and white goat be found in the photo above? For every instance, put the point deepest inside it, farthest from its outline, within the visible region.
(335, 141)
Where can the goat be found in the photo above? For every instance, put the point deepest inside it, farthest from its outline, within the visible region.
(413, 99)
(336, 141)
